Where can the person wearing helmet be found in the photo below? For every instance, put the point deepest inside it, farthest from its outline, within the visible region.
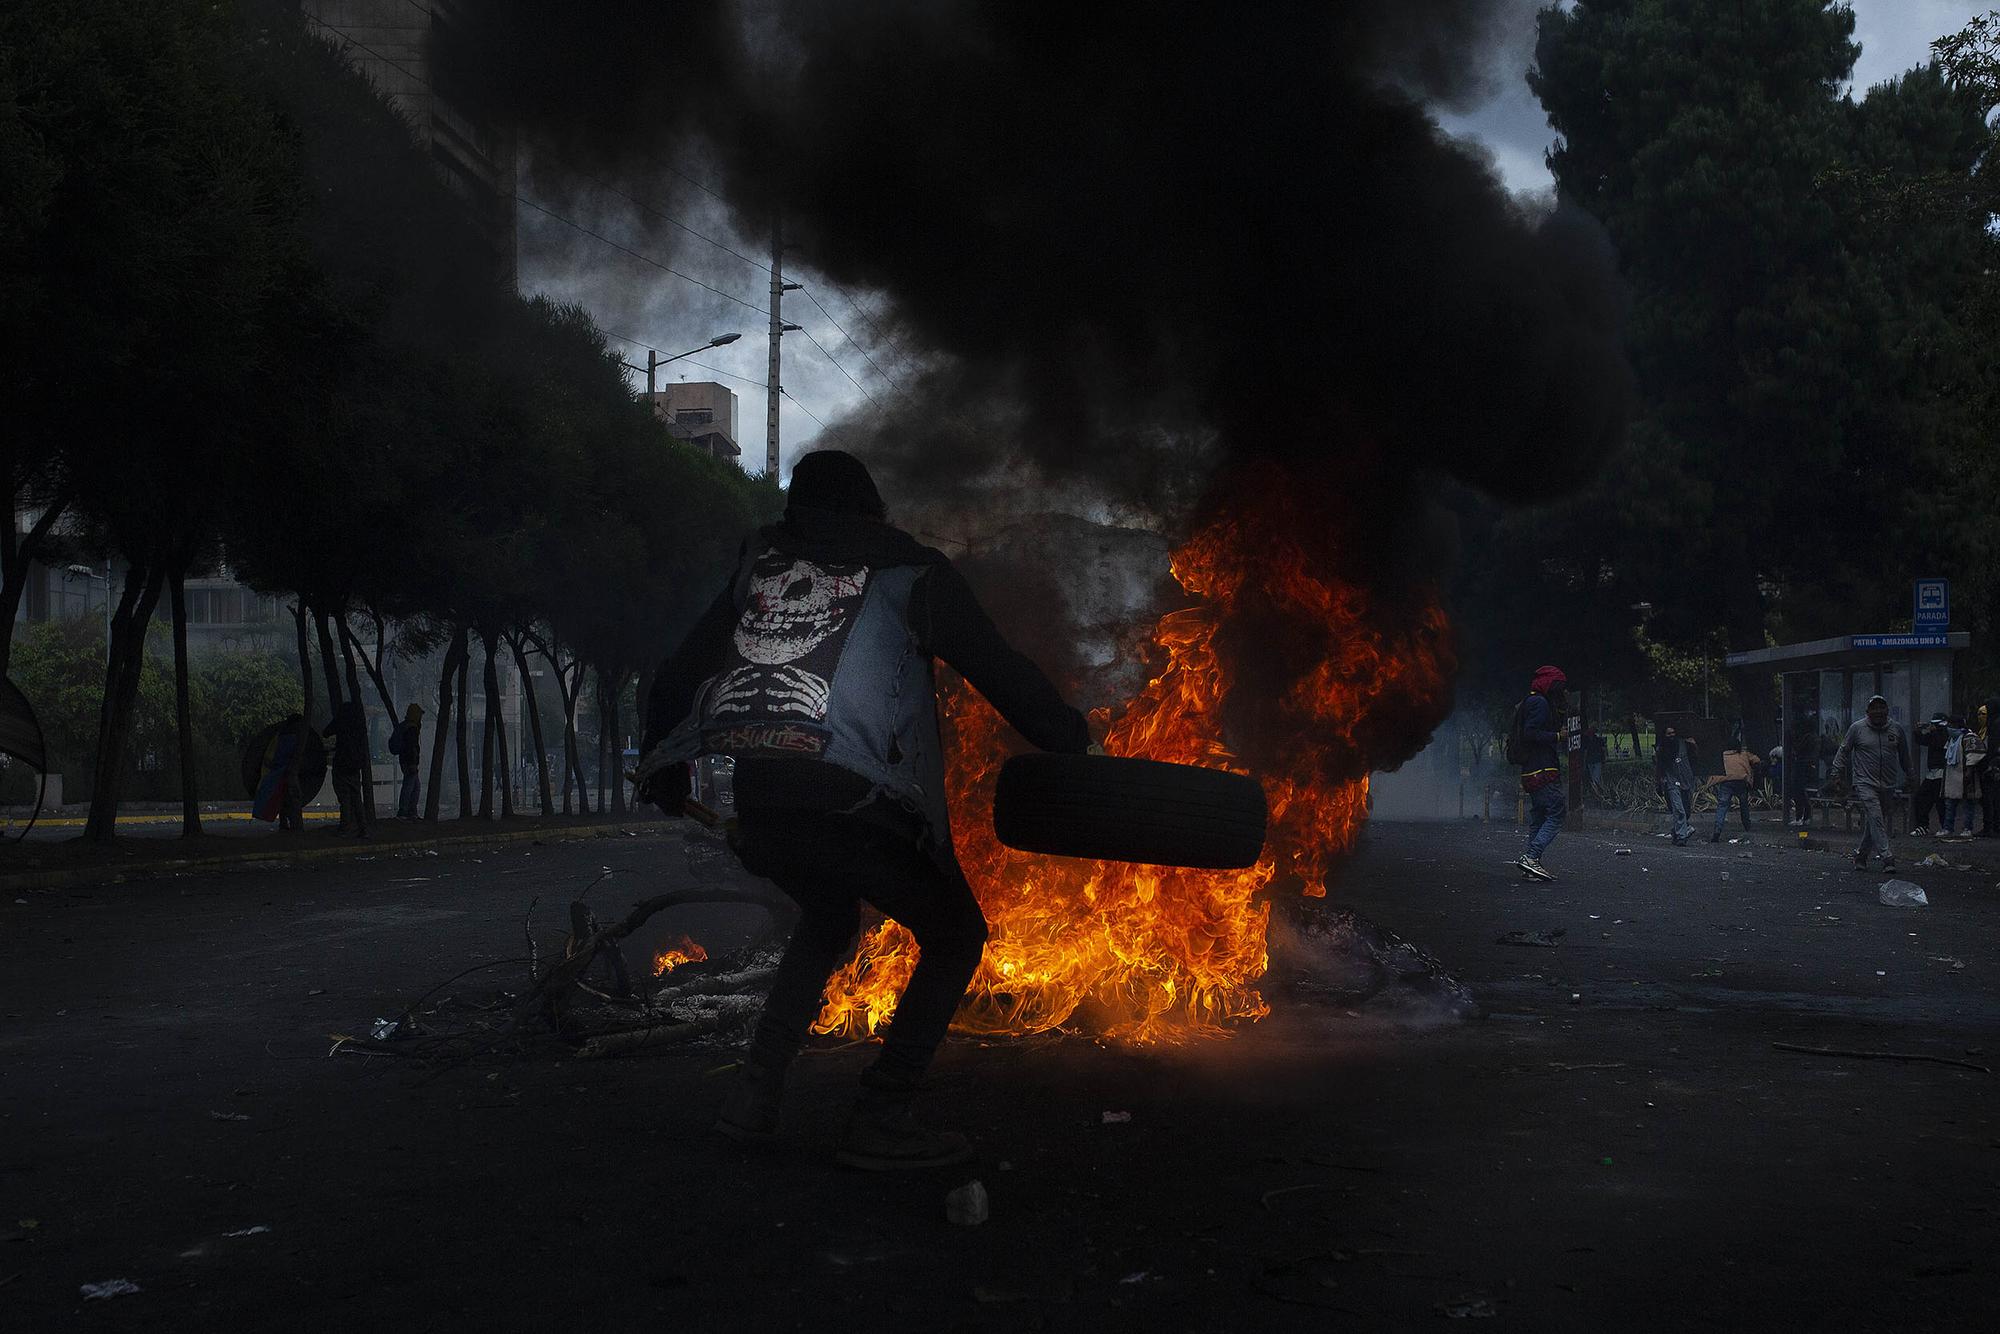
(1538, 747)
(813, 670)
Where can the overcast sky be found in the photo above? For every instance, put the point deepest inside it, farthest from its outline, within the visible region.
(635, 299)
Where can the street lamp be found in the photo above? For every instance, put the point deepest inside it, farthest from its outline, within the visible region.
(654, 360)
(85, 572)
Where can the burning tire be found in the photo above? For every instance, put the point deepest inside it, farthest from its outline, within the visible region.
(1120, 810)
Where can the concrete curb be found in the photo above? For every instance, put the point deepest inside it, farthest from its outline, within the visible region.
(111, 874)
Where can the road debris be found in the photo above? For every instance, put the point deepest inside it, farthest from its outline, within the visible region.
(1117, 1118)
(110, 1287)
(968, 1206)
(1547, 940)
(1881, 1056)
(227, 1116)
(1469, 1307)
(1902, 894)
(1621, 852)
(1310, 1280)
(1265, 1199)
(639, 1039)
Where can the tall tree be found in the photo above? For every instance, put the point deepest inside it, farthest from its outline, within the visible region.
(1788, 390)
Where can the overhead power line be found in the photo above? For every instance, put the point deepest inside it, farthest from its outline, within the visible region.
(669, 219)
(850, 339)
(598, 236)
(842, 369)
(642, 258)
(715, 370)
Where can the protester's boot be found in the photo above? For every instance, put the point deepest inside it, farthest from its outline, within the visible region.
(749, 1112)
(884, 1137)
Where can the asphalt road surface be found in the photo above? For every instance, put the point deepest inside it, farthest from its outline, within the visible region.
(1616, 1144)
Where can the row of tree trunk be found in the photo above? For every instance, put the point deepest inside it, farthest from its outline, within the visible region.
(343, 657)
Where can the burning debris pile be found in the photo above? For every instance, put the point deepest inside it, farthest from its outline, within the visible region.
(585, 999)
(1151, 952)
(1266, 328)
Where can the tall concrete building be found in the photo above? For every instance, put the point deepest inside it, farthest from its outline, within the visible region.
(388, 41)
(703, 413)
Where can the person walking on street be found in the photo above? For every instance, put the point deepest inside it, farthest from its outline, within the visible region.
(1932, 738)
(1673, 770)
(1537, 745)
(1739, 768)
(1873, 760)
(349, 732)
(406, 743)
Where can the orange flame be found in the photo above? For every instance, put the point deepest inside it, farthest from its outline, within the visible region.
(1152, 953)
(671, 957)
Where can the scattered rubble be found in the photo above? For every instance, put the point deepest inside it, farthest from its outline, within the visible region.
(1539, 939)
(1469, 1307)
(1849, 1054)
(110, 1287)
(968, 1206)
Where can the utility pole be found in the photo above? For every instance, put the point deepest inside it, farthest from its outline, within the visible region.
(652, 364)
(773, 387)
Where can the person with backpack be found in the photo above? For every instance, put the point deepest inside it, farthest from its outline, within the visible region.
(406, 743)
(1739, 776)
(1535, 743)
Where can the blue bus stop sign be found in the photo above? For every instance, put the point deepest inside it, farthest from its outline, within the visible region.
(1931, 606)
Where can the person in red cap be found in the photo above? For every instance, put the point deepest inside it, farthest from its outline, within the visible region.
(1538, 742)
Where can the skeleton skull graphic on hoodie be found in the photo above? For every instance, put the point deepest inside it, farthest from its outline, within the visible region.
(795, 621)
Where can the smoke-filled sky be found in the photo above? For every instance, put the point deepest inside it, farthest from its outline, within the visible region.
(857, 365)
(1096, 248)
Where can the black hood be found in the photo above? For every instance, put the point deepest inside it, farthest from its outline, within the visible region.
(821, 535)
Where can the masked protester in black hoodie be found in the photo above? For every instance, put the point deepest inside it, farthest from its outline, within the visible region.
(813, 670)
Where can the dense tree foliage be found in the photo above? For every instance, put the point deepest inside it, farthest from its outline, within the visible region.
(248, 325)
(1800, 264)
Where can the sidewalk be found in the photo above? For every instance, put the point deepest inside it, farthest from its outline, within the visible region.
(62, 863)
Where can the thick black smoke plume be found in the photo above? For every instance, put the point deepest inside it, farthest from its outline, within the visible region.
(1141, 245)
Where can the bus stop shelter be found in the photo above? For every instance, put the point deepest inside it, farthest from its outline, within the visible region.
(1826, 684)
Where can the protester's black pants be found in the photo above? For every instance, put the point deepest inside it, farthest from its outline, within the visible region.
(1929, 792)
(353, 811)
(830, 865)
(1989, 797)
